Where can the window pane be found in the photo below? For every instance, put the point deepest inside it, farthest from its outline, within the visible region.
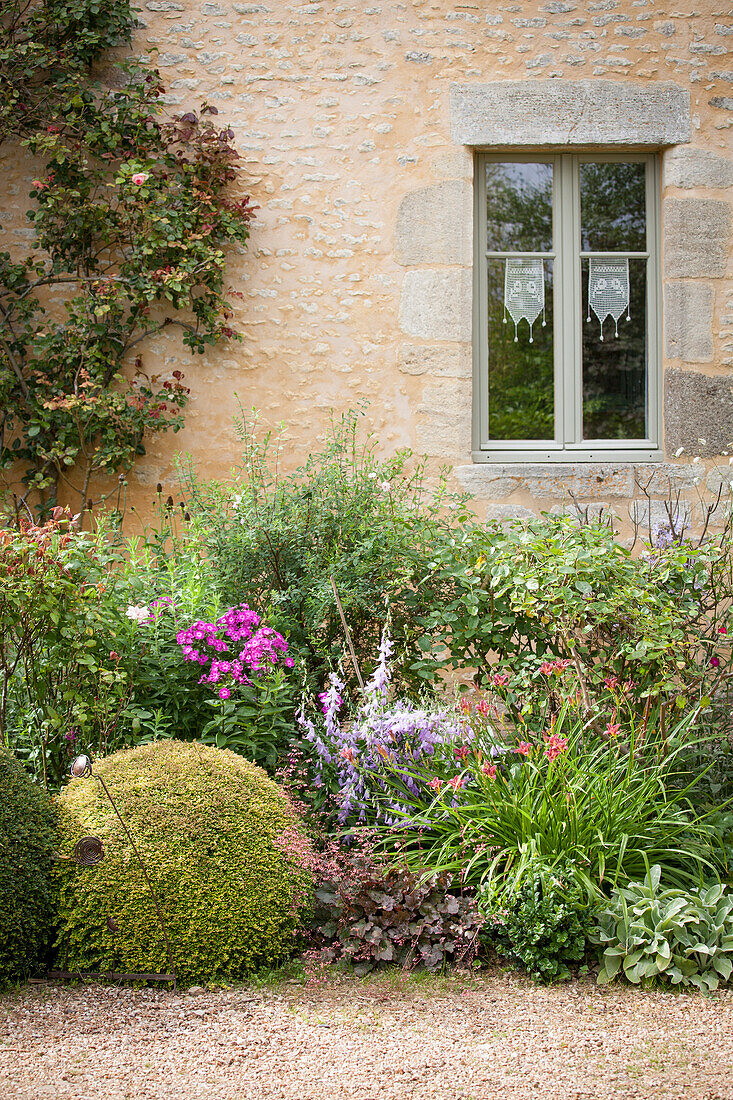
(614, 369)
(612, 207)
(519, 207)
(521, 380)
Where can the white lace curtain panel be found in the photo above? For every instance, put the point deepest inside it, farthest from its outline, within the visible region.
(608, 290)
(524, 292)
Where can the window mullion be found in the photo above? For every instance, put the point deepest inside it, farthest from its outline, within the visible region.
(569, 371)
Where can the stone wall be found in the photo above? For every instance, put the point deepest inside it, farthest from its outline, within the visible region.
(358, 282)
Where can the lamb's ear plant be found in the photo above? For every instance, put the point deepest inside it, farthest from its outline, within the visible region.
(649, 931)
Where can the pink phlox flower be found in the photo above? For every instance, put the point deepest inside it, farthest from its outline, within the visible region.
(224, 693)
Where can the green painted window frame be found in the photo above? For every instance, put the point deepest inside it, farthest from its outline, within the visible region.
(568, 445)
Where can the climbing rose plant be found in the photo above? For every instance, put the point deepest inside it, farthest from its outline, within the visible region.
(133, 212)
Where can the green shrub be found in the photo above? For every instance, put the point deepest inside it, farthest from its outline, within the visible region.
(224, 850)
(27, 840)
(543, 926)
(649, 931)
(275, 540)
(639, 631)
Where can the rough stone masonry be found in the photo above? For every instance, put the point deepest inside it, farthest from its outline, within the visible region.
(357, 123)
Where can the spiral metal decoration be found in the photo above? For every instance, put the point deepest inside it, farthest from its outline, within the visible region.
(89, 851)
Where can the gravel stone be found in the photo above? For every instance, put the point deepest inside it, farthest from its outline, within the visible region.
(393, 1037)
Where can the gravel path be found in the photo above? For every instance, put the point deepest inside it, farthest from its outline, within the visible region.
(393, 1037)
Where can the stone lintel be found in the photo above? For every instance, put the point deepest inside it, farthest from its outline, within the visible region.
(569, 112)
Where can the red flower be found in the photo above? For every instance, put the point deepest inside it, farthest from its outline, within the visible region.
(715, 661)
(722, 630)
(489, 770)
(461, 752)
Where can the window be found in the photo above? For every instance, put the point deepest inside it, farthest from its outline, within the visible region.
(567, 312)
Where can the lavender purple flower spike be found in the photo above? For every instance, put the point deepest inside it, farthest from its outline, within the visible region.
(381, 735)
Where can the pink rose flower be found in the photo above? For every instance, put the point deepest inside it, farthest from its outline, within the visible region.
(139, 177)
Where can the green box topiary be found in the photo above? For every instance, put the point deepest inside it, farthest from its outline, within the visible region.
(28, 836)
(223, 848)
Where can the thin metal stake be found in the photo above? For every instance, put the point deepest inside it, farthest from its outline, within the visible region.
(347, 632)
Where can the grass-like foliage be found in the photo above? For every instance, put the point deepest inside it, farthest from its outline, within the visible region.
(607, 804)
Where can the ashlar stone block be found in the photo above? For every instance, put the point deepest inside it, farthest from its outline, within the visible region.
(569, 112)
(688, 167)
(436, 305)
(696, 238)
(688, 322)
(487, 481)
(449, 360)
(698, 406)
(435, 225)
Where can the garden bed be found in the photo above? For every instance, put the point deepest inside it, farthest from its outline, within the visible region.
(387, 1037)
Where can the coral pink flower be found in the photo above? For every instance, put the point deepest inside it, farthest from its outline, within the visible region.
(524, 748)
(483, 707)
(555, 746)
(489, 770)
(435, 784)
(455, 782)
(612, 729)
(500, 679)
(347, 754)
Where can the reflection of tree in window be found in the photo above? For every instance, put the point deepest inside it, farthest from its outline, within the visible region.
(521, 383)
(613, 219)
